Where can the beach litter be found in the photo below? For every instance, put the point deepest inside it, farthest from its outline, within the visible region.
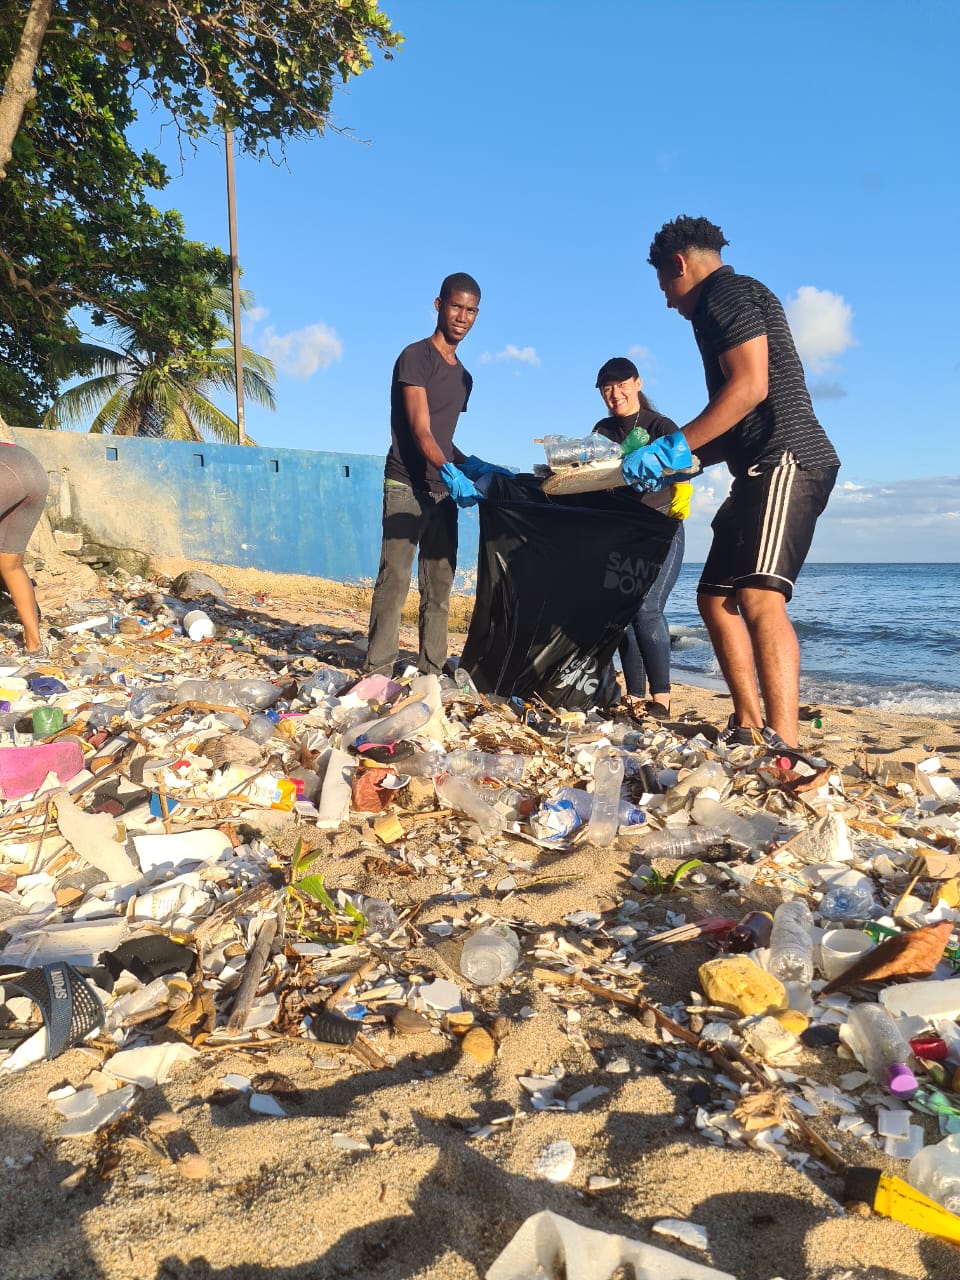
(169, 840)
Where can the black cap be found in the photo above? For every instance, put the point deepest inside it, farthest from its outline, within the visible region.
(617, 370)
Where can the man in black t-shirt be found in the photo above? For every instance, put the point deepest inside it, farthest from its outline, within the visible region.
(426, 478)
(760, 421)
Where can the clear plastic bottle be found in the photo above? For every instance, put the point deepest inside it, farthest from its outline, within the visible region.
(935, 1172)
(461, 794)
(876, 1040)
(325, 682)
(490, 955)
(710, 773)
(397, 725)
(607, 781)
(848, 902)
(628, 814)
(504, 766)
(252, 691)
(422, 764)
(568, 451)
(680, 842)
(791, 942)
(149, 702)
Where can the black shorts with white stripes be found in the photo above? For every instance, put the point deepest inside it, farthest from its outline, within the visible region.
(763, 531)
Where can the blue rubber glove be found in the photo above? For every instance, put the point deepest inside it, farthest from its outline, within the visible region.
(475, 468)
(643, 469)
(463, 491)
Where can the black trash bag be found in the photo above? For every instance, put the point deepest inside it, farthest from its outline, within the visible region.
(558, 579)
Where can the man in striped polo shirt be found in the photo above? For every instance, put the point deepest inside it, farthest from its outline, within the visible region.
(759, 420)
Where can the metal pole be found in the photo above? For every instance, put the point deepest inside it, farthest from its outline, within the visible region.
(235, 286)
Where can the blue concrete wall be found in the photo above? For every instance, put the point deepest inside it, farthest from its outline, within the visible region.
(283, 510)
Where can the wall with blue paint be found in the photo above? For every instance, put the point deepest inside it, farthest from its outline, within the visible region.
(283, 510)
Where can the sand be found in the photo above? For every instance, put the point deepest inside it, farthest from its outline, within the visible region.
(423, 1200)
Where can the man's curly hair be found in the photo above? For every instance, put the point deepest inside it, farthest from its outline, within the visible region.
(681, 235)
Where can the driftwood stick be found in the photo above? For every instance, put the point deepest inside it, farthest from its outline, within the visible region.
(256, 962)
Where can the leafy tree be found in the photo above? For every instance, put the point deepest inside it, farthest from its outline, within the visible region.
(77, 228)
(131, 392)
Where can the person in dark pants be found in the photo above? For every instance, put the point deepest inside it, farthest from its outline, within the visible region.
(426, 478)
(645, 648)
(23, 491)
(759, 420)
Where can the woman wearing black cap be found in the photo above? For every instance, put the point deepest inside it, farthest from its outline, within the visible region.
(645, 647)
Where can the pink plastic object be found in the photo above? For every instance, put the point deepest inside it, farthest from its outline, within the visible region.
(23, 769)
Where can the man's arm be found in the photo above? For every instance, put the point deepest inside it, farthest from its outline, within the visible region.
(746, 371)
(418, 415)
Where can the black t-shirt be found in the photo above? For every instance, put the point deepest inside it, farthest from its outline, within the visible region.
(448, 388)
(731, 310)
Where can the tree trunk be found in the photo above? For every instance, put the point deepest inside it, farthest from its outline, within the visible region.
(19, 90)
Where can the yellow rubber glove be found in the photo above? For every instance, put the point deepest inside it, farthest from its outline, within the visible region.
(680, 501)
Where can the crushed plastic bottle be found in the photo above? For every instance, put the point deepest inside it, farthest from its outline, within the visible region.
(607, 781)
(397, 725)
(708, 812)
(791, 942)
(848, 902)
(628, 814)
(486, 764)
(461, 794)
(876, 1040)
(380, 916)
(569, 451)
(260, 729)
(680, 842)
(490, 955)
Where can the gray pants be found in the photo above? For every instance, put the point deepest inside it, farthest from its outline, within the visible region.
(425, 523)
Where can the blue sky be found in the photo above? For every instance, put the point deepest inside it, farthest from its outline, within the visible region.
(539, 144)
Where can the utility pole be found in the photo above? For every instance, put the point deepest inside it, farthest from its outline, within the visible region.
(235, 285)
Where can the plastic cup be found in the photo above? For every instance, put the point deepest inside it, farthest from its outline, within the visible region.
(47, 721)
(839, 948)
(199, 625)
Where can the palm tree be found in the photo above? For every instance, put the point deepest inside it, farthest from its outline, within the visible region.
(131, 392)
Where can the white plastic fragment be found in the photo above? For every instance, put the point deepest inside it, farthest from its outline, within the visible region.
(546, 1238)
(148, 1065)
(105, 1109)
(206, 845)
(555, 1162)
(265, 1104)
(688, 1233)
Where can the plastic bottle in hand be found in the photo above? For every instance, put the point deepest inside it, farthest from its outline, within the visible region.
(490, 955)
(566, 451)
(876, 1040)
(791, 942)
(607, 781)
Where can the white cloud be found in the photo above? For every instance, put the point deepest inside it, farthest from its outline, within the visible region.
(303, 351)
(642, 356)
(512, 355)
(254, 315)
(821, 325)
(826, 389)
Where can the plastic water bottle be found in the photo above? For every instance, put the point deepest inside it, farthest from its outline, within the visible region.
(490, 955)
(876, 1040)
(680, 842)
(791, 942)
(848, 902)
(568, 451)
(935, 1172)
(607, 781)
(711, 813)
(149, 702)
(486, 764)
(628, 814)
(423, 764)
(460, 794)
(397, 725)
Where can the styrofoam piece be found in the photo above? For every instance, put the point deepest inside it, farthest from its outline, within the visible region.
(207, 845)
(555, 1161)
(148, 1064)
(94, 837)
(588, 1255)
(689, 1233)
(76, 944)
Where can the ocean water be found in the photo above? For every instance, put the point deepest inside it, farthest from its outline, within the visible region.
(871, 635)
